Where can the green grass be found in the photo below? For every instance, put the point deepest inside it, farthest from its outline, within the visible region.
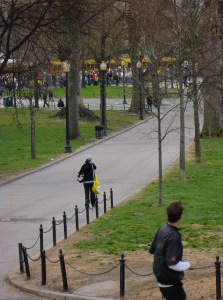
(112, 92)
(132, 226)
(50, 137)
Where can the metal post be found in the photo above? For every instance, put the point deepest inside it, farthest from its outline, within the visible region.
(218, 278)
(21, 258)
(122, 276)
(54, 231)
(43, 267)
(140, 95)
(65, 225)
(105, 204)
(87, 212)
(26, 263)
(111, 195)
(63, 271)
(76, 218)
(103, 97)
(96, 207)
(41, 238)
(67, 146)
(124, 98)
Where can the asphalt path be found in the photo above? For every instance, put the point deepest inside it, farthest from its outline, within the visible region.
(126, 162)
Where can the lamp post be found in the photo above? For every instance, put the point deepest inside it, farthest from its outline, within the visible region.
(123, 78)
(67, 148)
(139, 67)
(103, 67)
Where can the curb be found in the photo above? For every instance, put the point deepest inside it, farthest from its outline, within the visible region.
(26, 287)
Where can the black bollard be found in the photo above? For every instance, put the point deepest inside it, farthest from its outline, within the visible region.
(105, 204)
(96, 207)
(122, 276)
(218, 278)
(21, 259)
(111, 195)
(26, 263)
(54, 231)
(76, 218)
(65, 225)
(43, 267)
(41, 238)
(87, 212)
(63, 271)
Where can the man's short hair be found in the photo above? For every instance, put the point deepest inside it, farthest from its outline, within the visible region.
(174, 211)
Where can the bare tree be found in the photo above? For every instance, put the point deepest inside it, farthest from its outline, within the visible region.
(21, 22)
(212, 71)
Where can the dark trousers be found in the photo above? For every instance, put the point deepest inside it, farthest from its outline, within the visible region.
(175, 292)
(89, 195)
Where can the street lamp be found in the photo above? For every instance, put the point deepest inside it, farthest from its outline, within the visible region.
(139, 67)
(103, 68)
(123, 78)
(67, 148)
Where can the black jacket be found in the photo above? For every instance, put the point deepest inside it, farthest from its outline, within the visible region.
(168, 250)
(87, 172)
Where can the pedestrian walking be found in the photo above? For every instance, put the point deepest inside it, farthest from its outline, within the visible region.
(149, 103)
(45, 98)
(87, 172)
(51, 96)
(167, 248)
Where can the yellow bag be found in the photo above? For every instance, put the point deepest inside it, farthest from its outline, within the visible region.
(96, 187)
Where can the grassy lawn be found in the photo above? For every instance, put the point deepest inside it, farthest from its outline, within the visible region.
(131, 226)
(112, 92)
(50, 137)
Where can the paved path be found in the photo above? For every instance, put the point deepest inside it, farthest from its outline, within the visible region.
(126, 163)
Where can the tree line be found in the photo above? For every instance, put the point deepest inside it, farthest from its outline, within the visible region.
(190, 31)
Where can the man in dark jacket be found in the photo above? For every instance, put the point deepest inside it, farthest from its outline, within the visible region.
(87, 171)
(167, 248)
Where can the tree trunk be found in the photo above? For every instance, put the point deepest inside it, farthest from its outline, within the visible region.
(160, 197)
(194, 97)
(182, 130)
(134, 41)
(74, 92)
(212, 85)
(32, 123)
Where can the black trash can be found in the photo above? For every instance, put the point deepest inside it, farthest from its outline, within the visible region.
(7, 101)
(99, 132)
(60, 103)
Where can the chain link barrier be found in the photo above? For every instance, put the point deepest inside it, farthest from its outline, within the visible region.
(80, 212)
(202, 268)
(33, 259)
(48, 230)
(92, 274)
(142, 275)
(28, 248)
(60, 222)
(52, 261)
(73, 216)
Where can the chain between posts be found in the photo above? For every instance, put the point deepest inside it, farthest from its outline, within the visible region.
(92, 274)
(142, 275)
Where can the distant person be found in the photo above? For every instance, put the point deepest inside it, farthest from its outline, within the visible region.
(60, 103)
(51, 96)
(45, 98)
(167, 248)
(149, 103)
(87, 172)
